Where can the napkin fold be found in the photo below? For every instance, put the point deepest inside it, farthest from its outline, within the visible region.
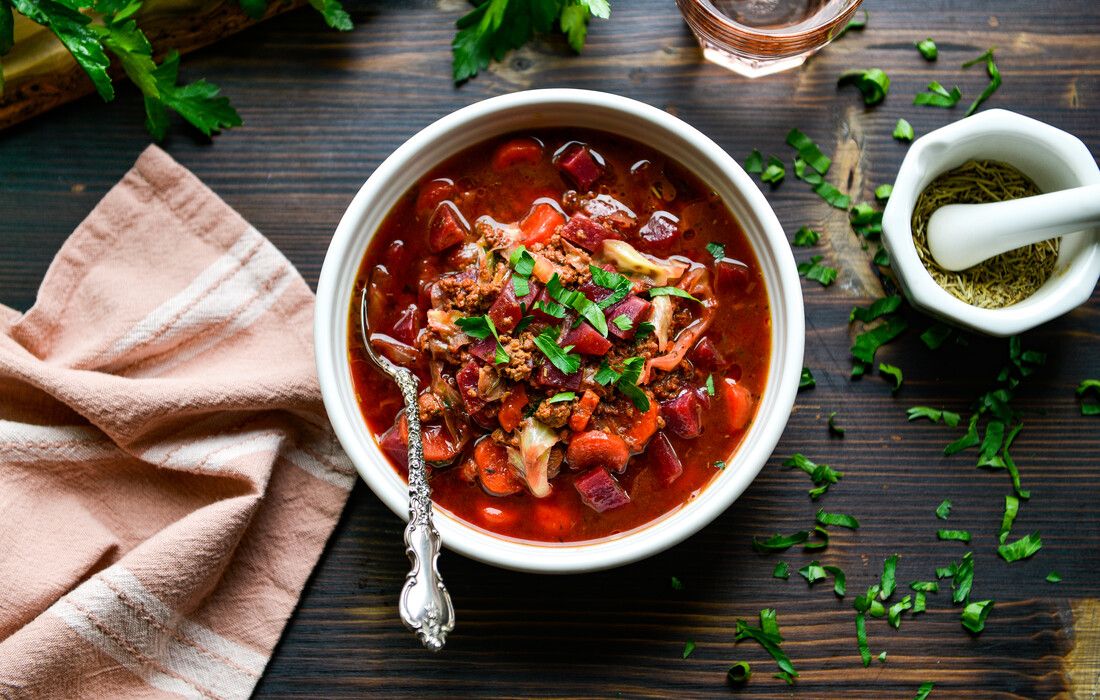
(168, 477)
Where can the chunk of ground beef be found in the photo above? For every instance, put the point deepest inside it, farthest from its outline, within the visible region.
(554, 415)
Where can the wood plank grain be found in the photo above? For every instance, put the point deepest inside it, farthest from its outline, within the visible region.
(322, 110)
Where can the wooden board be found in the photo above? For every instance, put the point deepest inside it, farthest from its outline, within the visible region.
(323, 109)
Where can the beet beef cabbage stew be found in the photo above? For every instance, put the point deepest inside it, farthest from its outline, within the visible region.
(589, 326)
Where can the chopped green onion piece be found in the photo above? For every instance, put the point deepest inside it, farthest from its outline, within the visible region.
(928, 49)
(813, 573)
(739, 673)
(838, 579)
(1012, 507)
(974, 615)
(821, 474)
(676, 584)
(894, 372)
(903, 131)
(880, 307)
(813, 270)
(775, 172)
(689, 647)
(717, 250)
(806, 237)
(1054, 577)
(938, 96)
(874, 84)
(670, 292)
(925, 586)
(808, 151)
(894, 614)
(994, 80)
(807, 380)
(560, 357)
(1021, 548)
(561, 396)
(755, 162)
(835, 429)
(953, 535)
(924, 690)
(767, 635)
(781, 570)
(622, 322)
(889, 568)
(944, 509)
(710, 385)
(884, 191)
(839, 519)
(861, 639)
(779, 543)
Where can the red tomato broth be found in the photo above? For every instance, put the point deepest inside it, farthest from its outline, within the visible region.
(741, 329)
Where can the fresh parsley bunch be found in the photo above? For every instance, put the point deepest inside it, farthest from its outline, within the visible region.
(117, 34)
(495, 27)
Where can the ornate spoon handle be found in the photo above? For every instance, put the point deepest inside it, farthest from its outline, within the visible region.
(425, 604)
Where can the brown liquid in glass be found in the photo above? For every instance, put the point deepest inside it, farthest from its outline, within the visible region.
(770, 14)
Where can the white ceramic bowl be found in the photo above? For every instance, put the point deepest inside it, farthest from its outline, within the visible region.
(1054, 159)
(556, 108)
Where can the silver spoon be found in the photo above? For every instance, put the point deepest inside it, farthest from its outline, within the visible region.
(425, 604)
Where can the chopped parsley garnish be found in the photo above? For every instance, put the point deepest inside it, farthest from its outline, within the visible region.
(710, 385)
(974, 615)
(767, 635)
(838, 579)
(867, 343)
(861, 639)
(994, 80)
(806, 237)
(560, 357)
(670, 292)
(523, 264)
(839, 519)
(814, 270)
(618, 284)
(627, 383)
(925, 586)
(889, 581)
(835, 429)
(719, 464)
(894, 372)
(807, 381)
(605, 375)
(953, 535)
(717, 250)
(561, 397)
(903, 131)
(578, 302)
(823, 189)
(808, 151)
(961, 575)
(882, 257)
(813, 573)
(966, 441)
(936, 335)
(821, 542)
(1089, 408)
(739, 673)
(938, 96)
(943, 510)
(874, 84)
(933, 414)
(622, 322)
(928, 49)
(884, 191)
(1054, 577)
(822, 475)
(1022, 548)
(881, 307)
(755, 162)
(551, 308)
(866, 221)
(882, 657)
(481, 327)
(924, 690)
(676, 584)
(895, 611)
(644, 329)
(781, 570)
(919, 602)
(1012, 507)
(779, 543)
(856, 24)
(775, 172)
(689, 647)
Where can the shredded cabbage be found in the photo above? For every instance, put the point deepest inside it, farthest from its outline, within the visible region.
(629, 260)
(661, 320)
(532, 459)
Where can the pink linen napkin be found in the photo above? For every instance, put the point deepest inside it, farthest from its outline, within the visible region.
(168, 477)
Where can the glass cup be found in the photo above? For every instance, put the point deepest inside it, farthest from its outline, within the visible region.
(761, 37)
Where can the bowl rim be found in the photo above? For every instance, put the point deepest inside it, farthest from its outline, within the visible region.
(1075, 282)
(788, 340)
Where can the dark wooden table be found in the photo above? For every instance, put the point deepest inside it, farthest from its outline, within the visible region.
(323, 109)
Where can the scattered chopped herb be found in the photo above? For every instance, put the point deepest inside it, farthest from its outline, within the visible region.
(933, 414)
(889, 568)
(864, 602)
(717, 250)
(779, 543)
(1054, 577)
(710, 385)
(868, 342)
(919, 602)
(928, 49)
(560, 357)
(953, 535)
(627, 383)
(481, 327)
(551, 308)
(719, 464)
(814, 270)
(866, 221)
(894, 614)
(768, 637)
(813, 573)
(578, 302)
(966, 441)
(961, 575)
(839, 519)
(861, 639)
(619, 285)
(1010, 464)
(807, 380)
(884, 191)
(880, 307)
(821, 541)
(874, 84)
(894, 372)
(821, 474)
(676, 584)
(806, 237)
(935, 336)
(755, 162)
(925, 586)
(561, 397)
(994, 80)
(689, 647)
(808, 151)
(605, 375)
(943, 510)
(838, 579)
(739, 673)
(781, 570)
(1089, 408)
(832, 195)
(622, 322)
(974, 614)
(903, 131)
(991, 445)
(1012, 507)
(924, 690)
(856, 24)
(775, 172)
(670, 292)
(882, 657)
(938, 96)
(644, 329)
(522, 261)
(1022, 548)
(835, 429)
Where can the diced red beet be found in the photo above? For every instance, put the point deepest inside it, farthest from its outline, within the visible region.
(586, 233)
(431, 194)
(705, 355)
(447, 227)
(586, 340)
(730, 274)
(661, 231)
(684, 414)
(595, 292)
(485, 417)
(665, 461)
(398, 256)
(485, 350)
(393, 444)
(577, 162)
(505, 311)
(599, 490)
(550, 376)
(633, 307)
(467, 386)
(407, 325)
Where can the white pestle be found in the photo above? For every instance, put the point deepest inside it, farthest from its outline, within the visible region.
(963, 235)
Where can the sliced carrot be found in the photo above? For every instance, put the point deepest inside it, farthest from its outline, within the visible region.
(582, 412)
(511, 409)
(739, 404)
(553, 520)
(595, 448)
(540, 223)
(496, 475)
(516, 151)
(642, 427)
(439, 449)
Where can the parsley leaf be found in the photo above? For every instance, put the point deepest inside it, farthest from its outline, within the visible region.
(627, 383)
(481, 327)
(739, 673)
(1012, 507)
(775, 172)
(522, 261)
(670, 292)
(974, 615)
(884, 191)
(689, 648)
(1054, 577)
(938, 96)
(781, 570)
(1021, 548)
(925, 586)
(835, 429)
(1089, 408)
(994, 80)
(895, 611)
(961, 575)
(644, 329)
(840, 519)
(778, 542)
(857, 24)
(561, 396)
(551, 308)
(861, 639)
(928, 49)
(717, 250)
(943, 510)
(755, 162)
(924, 690)
(619, 285)
(822, 475)
(814, 270)
(813, 573)
(934, 337)
(933, 414)
(676, 584)
(79, 36)
(710, 385)
(578, 302)
(808, 151)
(868, 342)
(903, 131)
(767, 635)
(622, 322)
(605, 375)
(807, 381)
(889, 569)
(806, 237)
(547, 342)
(823, 189)
(894, 372)
(953, 535)
(878, 309)
(874, 84)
